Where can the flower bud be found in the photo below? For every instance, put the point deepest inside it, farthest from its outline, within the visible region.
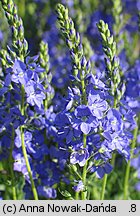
(83, 62)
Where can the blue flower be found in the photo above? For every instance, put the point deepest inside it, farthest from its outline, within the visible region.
(79, 186)
(80, 156)
(97, 105)
(19, 161)
(101, 170)
(95, 81)
(73, 97)
(137, 186)
(68, 129)
(133, 87)
(113, 122)
(128, 117)
(1, 36)
(35, 94)
(118, 143)
(47, 192)
(104, 169)
(48, 172)
(27, 137)
(19, 74)
(85, 119)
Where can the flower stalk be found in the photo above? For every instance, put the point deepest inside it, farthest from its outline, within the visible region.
(24, 147)
(11, 165)
(21, 47)
(113, 74)
(80, 64)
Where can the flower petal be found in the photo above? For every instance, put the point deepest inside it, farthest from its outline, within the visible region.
(85, 128)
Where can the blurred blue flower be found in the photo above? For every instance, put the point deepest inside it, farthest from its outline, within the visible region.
(49, 193)
(79, 186)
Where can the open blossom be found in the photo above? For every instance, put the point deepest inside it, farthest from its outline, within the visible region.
(133, 87)
(85, 119)
(79, 186)
(35, 94)
(97, 105)
(113, 122)
(47, 192)
(80, 156)
(104, 169)
(66, 127)
(19, 73)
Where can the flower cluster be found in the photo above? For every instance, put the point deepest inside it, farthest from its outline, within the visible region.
(91, 126)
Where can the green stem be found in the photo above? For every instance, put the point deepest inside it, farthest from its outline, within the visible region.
(113, 159)
(11, 165)
(103, 187)
(127, 173)
(115, 103)
(28, 164)
(24, 148)
(76, 195)
(84, 174)
(112, 162)
(46, 103)
(76, 173)
(83, 91)
(22, 100)
(84, 193)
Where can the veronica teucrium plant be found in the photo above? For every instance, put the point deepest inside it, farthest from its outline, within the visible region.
(21, 46)
(91, 111)
(80, 67)
(69, 100)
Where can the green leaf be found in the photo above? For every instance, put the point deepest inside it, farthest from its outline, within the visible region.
(65, 193)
